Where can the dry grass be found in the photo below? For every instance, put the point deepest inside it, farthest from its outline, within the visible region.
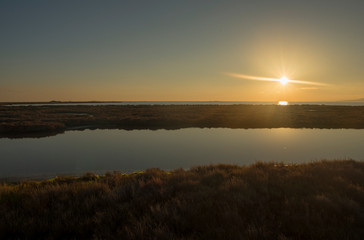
(322, 200)
(49, 120)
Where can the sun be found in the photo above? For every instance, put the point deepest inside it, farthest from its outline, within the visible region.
(284, 80)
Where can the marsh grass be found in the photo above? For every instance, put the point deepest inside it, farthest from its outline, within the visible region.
(40, 121)
(321, 200)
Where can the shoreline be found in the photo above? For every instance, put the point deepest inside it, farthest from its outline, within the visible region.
(19, 179)
(259, 201)
(43, 121)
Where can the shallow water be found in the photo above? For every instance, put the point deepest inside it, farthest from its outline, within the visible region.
(100, 150)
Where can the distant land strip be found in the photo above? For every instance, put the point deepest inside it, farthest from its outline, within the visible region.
(42, 121)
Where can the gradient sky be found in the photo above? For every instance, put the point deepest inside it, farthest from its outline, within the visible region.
(179, 50)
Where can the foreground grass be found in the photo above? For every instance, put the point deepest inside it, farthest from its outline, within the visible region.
(322, 200)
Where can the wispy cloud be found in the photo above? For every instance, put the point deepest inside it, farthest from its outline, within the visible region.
(256, 78)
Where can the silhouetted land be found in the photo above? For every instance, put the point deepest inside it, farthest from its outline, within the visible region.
(322, 200)
(38, 121)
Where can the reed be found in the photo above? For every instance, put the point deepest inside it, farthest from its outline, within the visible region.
(319, 200)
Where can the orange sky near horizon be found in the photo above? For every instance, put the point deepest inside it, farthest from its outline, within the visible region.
(179, 51)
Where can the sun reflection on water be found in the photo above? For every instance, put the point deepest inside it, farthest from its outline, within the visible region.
(282, 103)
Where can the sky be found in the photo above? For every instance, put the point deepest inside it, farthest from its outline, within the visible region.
(183, 50)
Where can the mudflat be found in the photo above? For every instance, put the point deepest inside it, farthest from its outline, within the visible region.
(38, 121)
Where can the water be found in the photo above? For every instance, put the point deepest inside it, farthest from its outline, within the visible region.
(76, 152)
(347, 103)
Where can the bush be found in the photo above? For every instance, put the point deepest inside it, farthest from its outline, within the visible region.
(321, 200)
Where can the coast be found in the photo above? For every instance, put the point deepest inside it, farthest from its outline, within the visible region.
(41, 121)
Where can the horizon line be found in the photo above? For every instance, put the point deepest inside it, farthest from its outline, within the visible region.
(121, 101)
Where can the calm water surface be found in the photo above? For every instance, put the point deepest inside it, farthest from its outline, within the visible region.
(100, 150)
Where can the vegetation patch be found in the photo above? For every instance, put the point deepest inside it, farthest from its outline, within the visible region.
(39, 121)
(320, 200)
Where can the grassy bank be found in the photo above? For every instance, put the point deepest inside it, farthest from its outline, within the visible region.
(322, 200)
(39, 121)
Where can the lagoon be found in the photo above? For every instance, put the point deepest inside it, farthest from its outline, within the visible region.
(76, 152)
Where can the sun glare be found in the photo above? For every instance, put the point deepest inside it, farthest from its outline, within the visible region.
(282, 103)
(284, 80)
